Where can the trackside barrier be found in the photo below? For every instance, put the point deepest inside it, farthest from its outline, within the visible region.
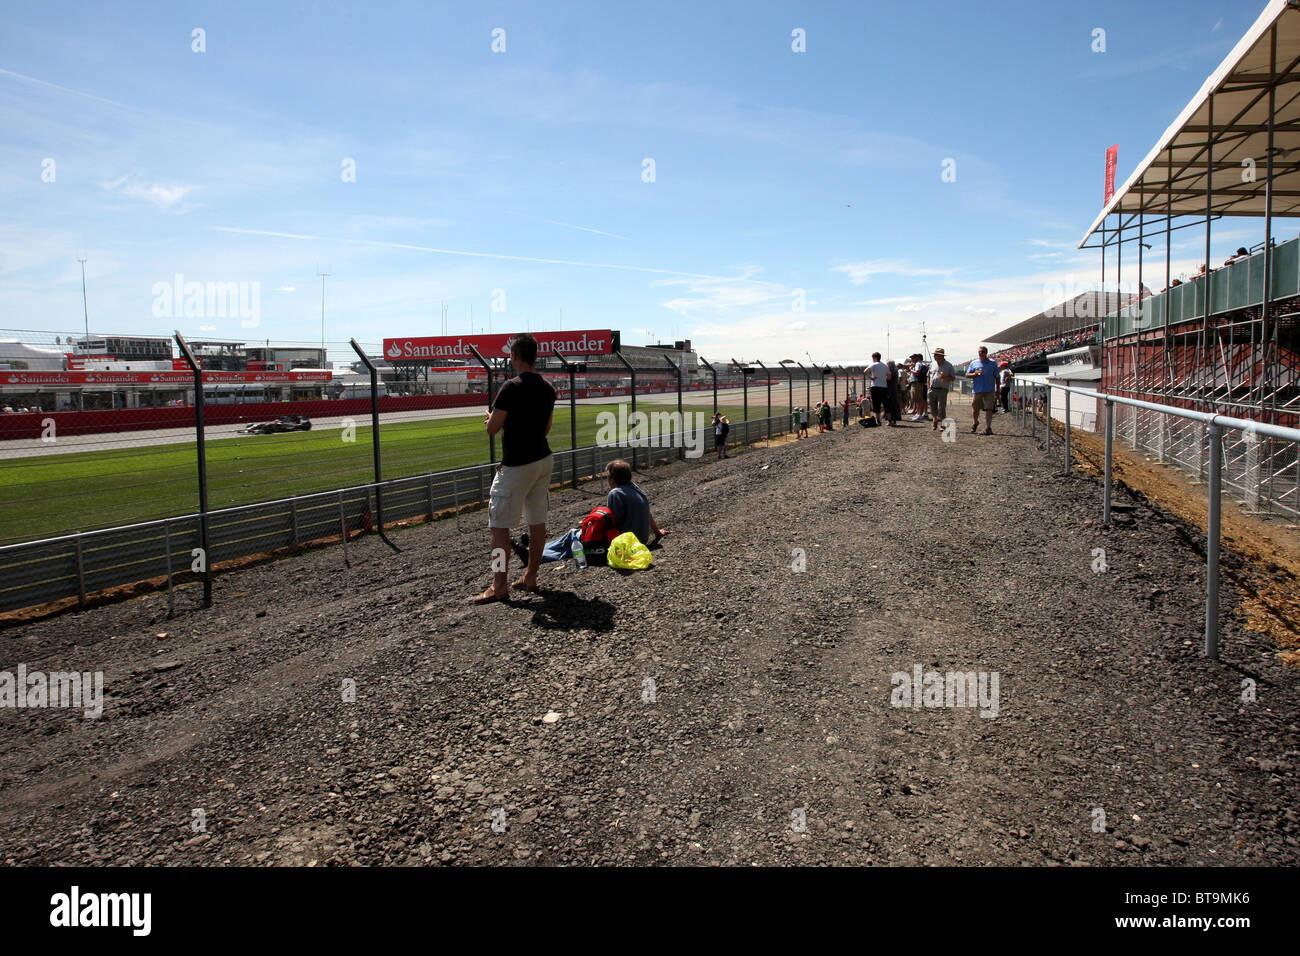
(1215, 426)
(73, 566)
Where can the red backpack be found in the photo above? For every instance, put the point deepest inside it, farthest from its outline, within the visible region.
(596, 532)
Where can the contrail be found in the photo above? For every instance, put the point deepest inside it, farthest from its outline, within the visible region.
(492, 255)
(569, 225)
(64, 89)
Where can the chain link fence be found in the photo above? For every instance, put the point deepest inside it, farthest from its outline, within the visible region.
(107, 479)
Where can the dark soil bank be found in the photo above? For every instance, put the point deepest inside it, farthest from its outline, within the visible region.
(721, 708)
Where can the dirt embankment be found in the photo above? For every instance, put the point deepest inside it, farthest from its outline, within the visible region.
(736, 704)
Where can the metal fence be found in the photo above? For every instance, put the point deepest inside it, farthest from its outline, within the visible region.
(78, 565)
(1259, 470)
(1223, 451)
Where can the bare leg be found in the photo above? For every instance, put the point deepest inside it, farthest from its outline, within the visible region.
(500, 559)
(536, 544)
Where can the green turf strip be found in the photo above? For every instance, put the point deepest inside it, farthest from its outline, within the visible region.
(52, 495)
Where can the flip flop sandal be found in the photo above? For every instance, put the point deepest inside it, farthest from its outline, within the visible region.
(489, 596)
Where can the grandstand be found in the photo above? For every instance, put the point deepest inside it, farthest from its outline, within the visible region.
(1225, 340)
(1066, 325)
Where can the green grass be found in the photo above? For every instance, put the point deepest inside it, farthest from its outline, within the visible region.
(60, 494)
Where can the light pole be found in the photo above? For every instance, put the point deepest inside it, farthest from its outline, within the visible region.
(85, 309)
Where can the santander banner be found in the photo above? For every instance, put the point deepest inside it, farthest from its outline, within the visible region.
(427, 348)
(157, 378)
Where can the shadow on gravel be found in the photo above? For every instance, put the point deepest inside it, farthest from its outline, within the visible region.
(564, 610)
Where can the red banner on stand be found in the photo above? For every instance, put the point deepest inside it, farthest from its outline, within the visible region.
(1112, 158)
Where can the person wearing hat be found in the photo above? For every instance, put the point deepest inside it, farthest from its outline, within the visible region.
(941, 378)
(1005, 386)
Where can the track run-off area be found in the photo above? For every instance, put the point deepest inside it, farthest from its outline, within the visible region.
(88, 482)
(748, 700)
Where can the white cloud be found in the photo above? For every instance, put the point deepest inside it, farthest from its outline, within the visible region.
(860, 272)
(165, 197)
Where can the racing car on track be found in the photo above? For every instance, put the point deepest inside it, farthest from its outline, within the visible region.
(285, 423)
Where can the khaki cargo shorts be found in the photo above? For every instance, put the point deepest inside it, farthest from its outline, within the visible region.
(520, 489)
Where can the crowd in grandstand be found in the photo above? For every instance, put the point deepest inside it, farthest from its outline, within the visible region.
(1040, 348)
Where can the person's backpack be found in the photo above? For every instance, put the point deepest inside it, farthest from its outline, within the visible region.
(596, 532)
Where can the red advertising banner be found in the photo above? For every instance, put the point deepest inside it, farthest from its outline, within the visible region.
(156, 378)
(1112, 158)
(431, 348)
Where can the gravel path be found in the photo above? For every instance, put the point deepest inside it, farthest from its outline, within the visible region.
(721, 708)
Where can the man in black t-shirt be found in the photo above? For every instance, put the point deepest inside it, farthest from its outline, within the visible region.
(522, 413)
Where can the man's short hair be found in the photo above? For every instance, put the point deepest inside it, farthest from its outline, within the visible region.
(620, 471)
(876, 356)
(524, 348)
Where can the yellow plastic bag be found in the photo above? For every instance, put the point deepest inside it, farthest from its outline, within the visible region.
(628, 553)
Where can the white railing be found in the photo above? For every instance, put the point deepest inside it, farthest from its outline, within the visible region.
(1196, 440)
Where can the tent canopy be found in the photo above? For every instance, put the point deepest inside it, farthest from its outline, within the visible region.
(1231, 114)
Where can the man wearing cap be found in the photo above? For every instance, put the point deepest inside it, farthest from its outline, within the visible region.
(983, 372)
(941, 378)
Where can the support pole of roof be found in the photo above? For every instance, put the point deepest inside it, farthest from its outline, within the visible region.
(1169, 219)
(1209, 212)
(1266, 340)
(1142, 205)
(1101, 305)
(1119, 269)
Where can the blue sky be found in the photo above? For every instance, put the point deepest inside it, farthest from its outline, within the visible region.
(522, 171)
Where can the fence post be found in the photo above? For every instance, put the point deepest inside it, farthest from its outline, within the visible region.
(767, 375)
(681, 419)
(714, 372)
(374, 434)
(1067, 434)
(343, 530)
(1110, 432)
(807, 386)
(573, 417)
(1047, 419)
(1212, 552)
(167, 546)
(631, 415)
(203, 466)
(491, 377)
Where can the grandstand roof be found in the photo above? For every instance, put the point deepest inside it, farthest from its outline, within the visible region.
(1082, 310)
(1240, 109)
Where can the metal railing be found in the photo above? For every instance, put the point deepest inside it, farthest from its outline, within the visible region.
(1211, 450)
